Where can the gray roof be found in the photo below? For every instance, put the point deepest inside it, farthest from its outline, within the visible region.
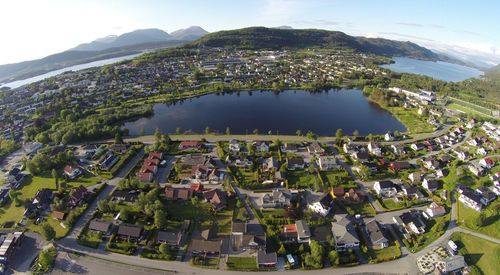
(303, 230)
(452, 263)
(130, 230)
(375, 232)
(169, 237)
(266, 258)
(205, 246)
(343, 231)
(99, 225)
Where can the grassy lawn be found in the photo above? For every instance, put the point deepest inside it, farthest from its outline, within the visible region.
(468, 216)
(412, 120)
(86, 181)
(242, 263)
(302, 179)
(90, 239)
(387, 254)
(364, 208)
(56, 224)
(211, 263)
(466, 110)
(122, 247)
(478, 253)
(337, 177)
(187, 211)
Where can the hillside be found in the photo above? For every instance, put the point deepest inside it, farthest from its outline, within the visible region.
(273, 38)
(127, 39)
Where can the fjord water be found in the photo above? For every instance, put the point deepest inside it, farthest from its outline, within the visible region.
(22, 82)
(438, 70)
(284, 113)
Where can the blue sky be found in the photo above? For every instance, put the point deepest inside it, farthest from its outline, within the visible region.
(35, 29)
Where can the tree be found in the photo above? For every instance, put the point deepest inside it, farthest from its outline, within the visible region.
(364, 172)
(298, 132)
(333, 257)
(164, 249)
(48, 232)
(207, 130)
(63, 185)
(282, 250)
(339, 134)
(370, 137)
(46, 259)
(103, 206)
(160, 219)
(255, 131)
(480, 220)
(118, 137)
(355, 133)
(311, 135)
(228, 131)
(55, 176)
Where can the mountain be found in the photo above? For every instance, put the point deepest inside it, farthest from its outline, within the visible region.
(99, 49)
(127, 39)
(273, 38)
(191, 33)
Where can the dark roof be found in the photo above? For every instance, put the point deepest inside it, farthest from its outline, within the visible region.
(205, 246)
(472, 195)
(43, 196)
(99, 225)
(386, 184)
(320, 233)
(266, 258)
(169, 237)
(408, 217)
(130, 230)
(326, 201)
(239, 227)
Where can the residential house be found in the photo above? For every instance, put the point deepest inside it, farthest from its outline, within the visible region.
(127, 196)
(99, 226)
(129, 231)
(289, 233)
(169, 237)
(217, 198)
(400, 165)
(385, 188)
(247, 236)
(344, 233)
(417, 146)
(108, 162)
(77, 196)
(462, 155)
(338, 192)
(326, 163)
(178, 194)
(434, 210)
(4, 196)
(377, 240)
(475, 169)
(290, 148)
(411, 191)
(270, 164)
(42, 200)
(487, 163)
(374, 149)
(487, 196)
(276, 199)
(388, 136)
(360, 156)
(323, 206)
(410, 223)
(432, 164)
(261, 146)
(315, 148)
(431, 185)
(206, 248)
(481, 151)
(415, 177)
(239, 161)
(352, 196)
(295, 163)
(9, 245)
(303, 231)
(190, 145)
(471, 199)
(398, 149)
(234, 146)
(118, 148)
(72, 171)
(266, 260)
(58, 215)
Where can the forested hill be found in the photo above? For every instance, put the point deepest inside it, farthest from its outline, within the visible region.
(272, 38)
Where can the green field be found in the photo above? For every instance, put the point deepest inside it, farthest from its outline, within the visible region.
(467, 217)
(480, 253)
(467, 110)
(242, 263)
(414, 123)
(302, 179)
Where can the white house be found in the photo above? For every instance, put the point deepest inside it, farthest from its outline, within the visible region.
(234, 145)
(261, 146)
(327, 163)
(374, 149)
(388, 137)
(471, 199)
(322, 206)
(415, 177)
(487, 163)
(435, 210)
(385, 188)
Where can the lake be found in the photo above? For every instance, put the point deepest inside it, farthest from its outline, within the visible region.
(438, 70)
(284, 113)
(19, 83)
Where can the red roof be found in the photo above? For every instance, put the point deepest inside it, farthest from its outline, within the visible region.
(489, 161)
(152, 162)
(289, 228)
(148, 168)
(68, 169)
(155, 155)
(145, 176)
(197, 187)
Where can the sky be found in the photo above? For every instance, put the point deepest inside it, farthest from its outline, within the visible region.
(33, 29)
